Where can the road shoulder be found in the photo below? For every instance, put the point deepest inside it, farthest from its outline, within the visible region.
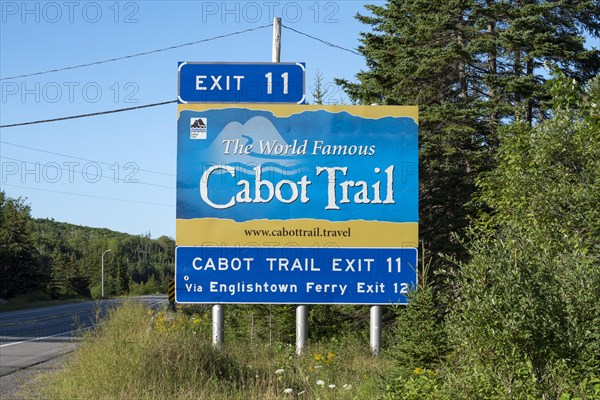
(25, 383)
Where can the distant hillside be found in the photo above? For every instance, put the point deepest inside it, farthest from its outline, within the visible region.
(72, 254)
(64, 260)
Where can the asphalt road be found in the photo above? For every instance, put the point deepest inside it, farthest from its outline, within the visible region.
(32, 336)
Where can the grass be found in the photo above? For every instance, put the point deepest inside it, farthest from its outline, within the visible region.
(140, 354)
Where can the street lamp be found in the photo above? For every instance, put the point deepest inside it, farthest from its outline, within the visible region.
(103, 253)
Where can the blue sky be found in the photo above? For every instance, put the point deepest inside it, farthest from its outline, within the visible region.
(54, 165)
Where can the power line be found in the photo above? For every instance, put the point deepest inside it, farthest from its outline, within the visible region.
(138, 54)
(322, 41)
(89, 115)
(96, 176)
(154, 51)
(79, 158)
(89, 195)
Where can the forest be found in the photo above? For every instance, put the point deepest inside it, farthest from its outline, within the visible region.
(58, 260)
(509, 213)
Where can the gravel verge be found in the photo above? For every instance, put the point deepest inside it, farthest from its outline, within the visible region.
(24, 384)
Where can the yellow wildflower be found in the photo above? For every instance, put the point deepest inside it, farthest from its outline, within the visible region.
(330, 358)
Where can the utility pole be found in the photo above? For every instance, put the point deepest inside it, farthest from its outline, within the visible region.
(302, 310)
(218, 309)
(276, 40)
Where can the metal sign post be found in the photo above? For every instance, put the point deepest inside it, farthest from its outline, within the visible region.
(375, 329)
(301, 328)
(218, 325)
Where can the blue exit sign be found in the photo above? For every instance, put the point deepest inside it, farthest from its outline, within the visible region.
(241, 83)
(279, 275)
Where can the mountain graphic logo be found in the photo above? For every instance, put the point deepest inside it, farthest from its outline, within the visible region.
(198, 128)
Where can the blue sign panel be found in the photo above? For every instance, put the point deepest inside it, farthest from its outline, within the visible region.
(318, 275)
(287, 194)
(310, 162)
(241, 83)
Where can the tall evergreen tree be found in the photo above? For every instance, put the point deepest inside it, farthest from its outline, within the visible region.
(20, 270)
(471, 66)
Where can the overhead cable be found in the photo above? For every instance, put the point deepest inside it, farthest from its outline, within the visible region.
(79, 158)
(89, 195)
(322, 41)
(88, 115)
(124, 180)
(145, 53)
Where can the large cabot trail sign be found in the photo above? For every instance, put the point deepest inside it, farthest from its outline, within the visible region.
(297, 204)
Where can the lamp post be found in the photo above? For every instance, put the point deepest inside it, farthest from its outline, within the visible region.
(103, 253)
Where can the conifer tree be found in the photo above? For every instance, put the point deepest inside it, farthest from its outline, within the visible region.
(19, 267)
(471, 66)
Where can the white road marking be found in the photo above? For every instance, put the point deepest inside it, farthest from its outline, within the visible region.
(42, 338)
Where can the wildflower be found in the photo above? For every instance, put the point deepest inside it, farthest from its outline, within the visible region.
(279, 371)
(418, 371)
(332, 386)
(321, 382)
(347, 386)
(330, 357)
(318, 356)
(288, 391)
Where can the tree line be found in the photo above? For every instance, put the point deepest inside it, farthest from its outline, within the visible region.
(509, 136)
(64, 260)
